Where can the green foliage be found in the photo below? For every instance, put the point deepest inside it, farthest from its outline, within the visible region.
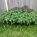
(19, 16)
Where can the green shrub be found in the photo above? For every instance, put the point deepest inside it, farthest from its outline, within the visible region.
(19, 16)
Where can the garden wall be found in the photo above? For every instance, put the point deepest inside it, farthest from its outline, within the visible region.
(2, 5)
(32, 4)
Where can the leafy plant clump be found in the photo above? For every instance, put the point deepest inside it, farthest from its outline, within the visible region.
(19, 17)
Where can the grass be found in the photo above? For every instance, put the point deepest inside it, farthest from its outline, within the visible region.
(18, 31)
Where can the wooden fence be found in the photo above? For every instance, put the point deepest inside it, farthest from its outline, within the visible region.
(9, 4)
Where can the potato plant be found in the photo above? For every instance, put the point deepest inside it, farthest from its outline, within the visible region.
(19, 16)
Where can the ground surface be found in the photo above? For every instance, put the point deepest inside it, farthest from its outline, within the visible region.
(18, 31)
